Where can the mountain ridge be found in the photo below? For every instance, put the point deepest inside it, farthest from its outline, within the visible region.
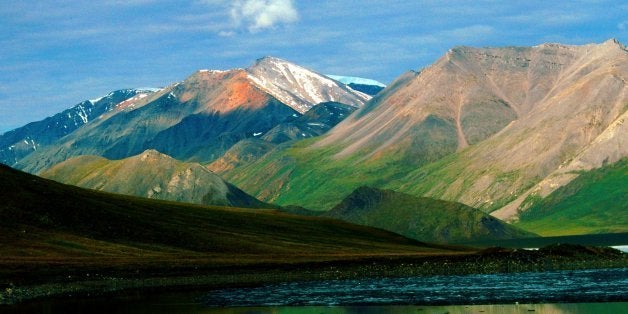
(44, 132)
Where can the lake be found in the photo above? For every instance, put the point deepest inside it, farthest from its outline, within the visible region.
(580, 291)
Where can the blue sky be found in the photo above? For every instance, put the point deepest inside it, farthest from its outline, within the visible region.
(55, 54)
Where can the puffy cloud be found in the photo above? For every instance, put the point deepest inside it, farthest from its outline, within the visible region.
(262, 14)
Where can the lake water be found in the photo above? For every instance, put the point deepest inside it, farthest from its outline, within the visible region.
(584, 291)
(543, 287)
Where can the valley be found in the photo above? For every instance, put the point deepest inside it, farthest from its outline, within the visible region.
(61, 240)
(275, 173)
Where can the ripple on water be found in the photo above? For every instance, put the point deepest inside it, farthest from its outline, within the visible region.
(545, 287)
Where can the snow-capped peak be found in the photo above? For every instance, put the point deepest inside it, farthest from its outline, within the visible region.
(355, 80)
(299, 87)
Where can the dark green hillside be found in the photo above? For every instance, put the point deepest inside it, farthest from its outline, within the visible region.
(595, 202)
(421, 218)
(32, 202)
(44, 222)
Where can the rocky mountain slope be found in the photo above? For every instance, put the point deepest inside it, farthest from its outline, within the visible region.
(152, 175)
(18, 143)
(317, 121)
(572, 119)
(421, 218)
(487, 127)
(237, 104)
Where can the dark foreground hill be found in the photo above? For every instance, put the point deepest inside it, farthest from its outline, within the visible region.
(43, 221)
(59, 240)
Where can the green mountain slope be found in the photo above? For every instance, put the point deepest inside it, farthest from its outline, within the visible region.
(421, 218)
(595, 202)
(152, 174)
(243, 152)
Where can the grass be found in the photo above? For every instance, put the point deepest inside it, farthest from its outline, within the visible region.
(421, 217)
(594, 202)
(299, 174)
(45, 223)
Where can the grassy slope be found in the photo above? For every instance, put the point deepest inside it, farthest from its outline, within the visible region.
(595, 202)
(44, 222)
(422, 218)
(311, 177)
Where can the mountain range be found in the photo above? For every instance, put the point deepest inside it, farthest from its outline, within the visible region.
(519, 133)
(18, 143)
(492, 128)
(238, 104)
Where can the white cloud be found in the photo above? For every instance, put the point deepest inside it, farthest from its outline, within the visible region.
(257, 15)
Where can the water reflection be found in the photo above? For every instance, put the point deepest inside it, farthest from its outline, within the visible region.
(575, 308)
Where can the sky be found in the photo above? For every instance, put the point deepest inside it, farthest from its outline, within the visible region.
(55, 54)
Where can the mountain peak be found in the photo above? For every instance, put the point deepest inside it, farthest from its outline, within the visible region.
(613, 42)
(298, 87)
(152, 155)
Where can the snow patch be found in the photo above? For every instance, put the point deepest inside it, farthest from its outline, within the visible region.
(257, 133)
(94, 101)
(82, 114)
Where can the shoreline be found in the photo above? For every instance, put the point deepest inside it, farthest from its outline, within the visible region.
(171, 279)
